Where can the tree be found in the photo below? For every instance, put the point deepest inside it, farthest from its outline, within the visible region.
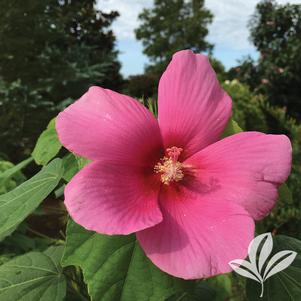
(50, 51)
(59, 44)
(172, 25)
(142, 86)
(275, 32)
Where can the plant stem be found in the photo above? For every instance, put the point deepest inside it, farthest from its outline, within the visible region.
(262, 289)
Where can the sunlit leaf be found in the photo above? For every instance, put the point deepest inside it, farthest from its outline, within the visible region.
(115, 267)
(17, 204)
(47, 146)
(13, 170)
(35, 276)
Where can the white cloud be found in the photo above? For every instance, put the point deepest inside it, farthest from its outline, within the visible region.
(229, 27)
(228, 32)
(128, 20)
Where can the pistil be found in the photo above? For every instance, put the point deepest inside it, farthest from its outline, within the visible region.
(169, 167)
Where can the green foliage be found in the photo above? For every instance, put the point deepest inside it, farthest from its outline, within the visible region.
(71, 166)
(115, 267)
(247, 107)
(11, 175)
(201, 291)
(222, 285)
(35, 276)
(286, 211)
(275, 32)
(231, 128)
(71, 43)
(217, 288)
(50, 53)
(279, 122)
(22, 112)
(284, 285)
(142, 86)
(219, 68)
(48, 145)
(81, 162)
(17, 204)
(173, 25)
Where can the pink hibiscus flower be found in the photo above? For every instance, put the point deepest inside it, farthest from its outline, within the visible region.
(191, 198)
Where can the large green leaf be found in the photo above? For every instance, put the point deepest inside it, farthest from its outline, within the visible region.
(201, 292)
(284, 285)
(218, 288)
(48, 145)
(222, 285)
(115, 267)
(17, 204)
(34, 276)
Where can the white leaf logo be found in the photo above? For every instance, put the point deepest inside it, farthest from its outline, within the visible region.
(258, 269)
(284, 259)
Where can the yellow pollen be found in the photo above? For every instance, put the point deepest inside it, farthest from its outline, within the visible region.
(169, 166)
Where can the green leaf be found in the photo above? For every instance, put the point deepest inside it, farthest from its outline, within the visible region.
(71, 167)
(48, 145)
(17, 204)
(72, 164)
(284, 285)
(7, 174)
(115, 267)
(218, 288)
(222, 285)
(11, 175)
(202, 291)
(285, 194)
(34, 276)
(231, 128)
(82, 162)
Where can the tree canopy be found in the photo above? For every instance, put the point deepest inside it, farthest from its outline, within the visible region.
(59, 44)
(275, 32)
(50, 51)
(172, 25)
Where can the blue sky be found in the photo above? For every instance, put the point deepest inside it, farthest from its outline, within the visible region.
(228, 31)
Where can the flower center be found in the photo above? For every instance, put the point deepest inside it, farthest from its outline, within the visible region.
(169, 167)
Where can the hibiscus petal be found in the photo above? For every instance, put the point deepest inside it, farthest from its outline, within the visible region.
(193, 109)
(246, 168)
(105, 124)
(112, 198)
(196, 239)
